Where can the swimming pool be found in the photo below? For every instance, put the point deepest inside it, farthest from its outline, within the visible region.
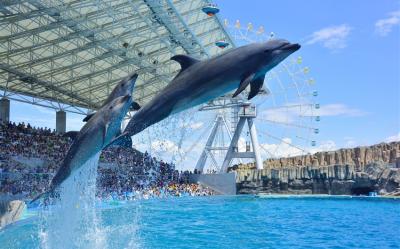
(233, 222)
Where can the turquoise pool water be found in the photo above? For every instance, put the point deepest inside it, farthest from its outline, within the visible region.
(234, 222)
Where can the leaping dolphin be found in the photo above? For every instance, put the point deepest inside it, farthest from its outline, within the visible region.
(95, 135)
(201, 81)
(123, 88)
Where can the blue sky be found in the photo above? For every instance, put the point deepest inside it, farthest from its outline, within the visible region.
(352, 48)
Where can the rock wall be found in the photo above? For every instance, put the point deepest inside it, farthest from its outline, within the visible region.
(359, 157)
(347, 171)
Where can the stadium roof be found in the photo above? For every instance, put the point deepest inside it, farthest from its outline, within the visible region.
(74, 52)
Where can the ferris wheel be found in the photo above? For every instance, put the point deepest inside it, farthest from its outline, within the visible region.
(290, 109)
(287, 124)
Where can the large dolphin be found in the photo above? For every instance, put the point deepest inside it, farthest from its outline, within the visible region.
(94, 136)
(123, 88)
(201, 81)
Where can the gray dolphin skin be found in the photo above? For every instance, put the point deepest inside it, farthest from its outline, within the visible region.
(95, 135)
(201, 81)
(123, 88)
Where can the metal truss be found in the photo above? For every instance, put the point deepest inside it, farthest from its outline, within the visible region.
(69, 54)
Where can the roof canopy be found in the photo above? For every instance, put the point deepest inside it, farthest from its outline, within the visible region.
(74, 52)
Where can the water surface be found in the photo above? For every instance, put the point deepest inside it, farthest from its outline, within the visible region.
(235, 222)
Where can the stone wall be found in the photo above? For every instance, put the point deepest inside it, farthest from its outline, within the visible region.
(346, 171)
(359, 157)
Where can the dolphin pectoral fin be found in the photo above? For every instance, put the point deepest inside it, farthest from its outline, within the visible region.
(243, 84)
(88, 117)
(135, 106)
(255, 86)
(184, 60)
(71, 134)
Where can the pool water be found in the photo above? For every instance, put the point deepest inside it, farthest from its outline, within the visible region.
(234, 222)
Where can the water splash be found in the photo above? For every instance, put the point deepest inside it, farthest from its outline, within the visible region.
(72, 221)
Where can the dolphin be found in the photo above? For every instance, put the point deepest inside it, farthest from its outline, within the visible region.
(94, 136)
(201, 81)
(124, 87)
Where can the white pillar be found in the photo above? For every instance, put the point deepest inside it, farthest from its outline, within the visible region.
(4, 110)
(61, 121)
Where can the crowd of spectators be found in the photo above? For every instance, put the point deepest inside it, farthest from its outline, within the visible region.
(169, 190)
(30, 156)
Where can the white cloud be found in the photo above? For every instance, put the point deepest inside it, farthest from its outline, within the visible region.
(328, 145)
(334, 37)
(292, 114)
(393, 138)
(277, 150)
(350, 142)
(280, 115)
(286, 149)
(384, 26)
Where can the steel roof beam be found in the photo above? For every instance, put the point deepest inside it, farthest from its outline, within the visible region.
(33, 79)
(106, 46)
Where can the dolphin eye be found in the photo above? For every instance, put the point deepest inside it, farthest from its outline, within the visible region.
(123, 84)
(110, 107)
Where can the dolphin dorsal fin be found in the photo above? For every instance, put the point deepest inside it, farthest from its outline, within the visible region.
(184, 60)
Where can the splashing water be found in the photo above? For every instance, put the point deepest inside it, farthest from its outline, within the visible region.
(72, 222)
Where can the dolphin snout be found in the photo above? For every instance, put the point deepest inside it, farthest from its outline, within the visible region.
(133, 76)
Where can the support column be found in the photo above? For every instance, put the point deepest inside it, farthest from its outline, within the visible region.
(61, 121)
(233, 147)
(254, 141)
(203, 158)
(4, 110)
